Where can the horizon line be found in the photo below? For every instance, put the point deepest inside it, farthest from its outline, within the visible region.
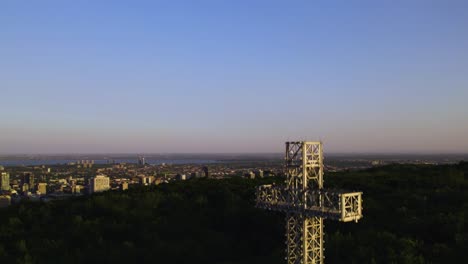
(225, 153)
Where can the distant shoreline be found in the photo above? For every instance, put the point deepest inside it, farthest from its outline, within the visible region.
(157, 159)
(39, 162)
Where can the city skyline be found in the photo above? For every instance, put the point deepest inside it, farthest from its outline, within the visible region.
(240, 77)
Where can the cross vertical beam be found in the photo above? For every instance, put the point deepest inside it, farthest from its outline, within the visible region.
(304, 169)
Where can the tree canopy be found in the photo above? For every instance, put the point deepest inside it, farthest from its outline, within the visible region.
(412, 214)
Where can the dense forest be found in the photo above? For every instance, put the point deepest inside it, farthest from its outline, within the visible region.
(412, 214)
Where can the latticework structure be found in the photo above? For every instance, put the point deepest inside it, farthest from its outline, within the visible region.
(306, 203)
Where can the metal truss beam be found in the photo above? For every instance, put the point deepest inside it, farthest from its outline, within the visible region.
(330, 204)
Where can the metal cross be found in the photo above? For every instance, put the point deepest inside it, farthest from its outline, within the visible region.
(306, 203)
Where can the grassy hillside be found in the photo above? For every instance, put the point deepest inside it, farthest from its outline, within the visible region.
(413, 214)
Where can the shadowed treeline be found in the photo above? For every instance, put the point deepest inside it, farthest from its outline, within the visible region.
(412, 214)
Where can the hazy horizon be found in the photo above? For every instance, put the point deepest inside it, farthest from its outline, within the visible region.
(233, 77)
(144, 154)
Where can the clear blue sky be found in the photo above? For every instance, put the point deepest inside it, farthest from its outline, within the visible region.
(233, 76)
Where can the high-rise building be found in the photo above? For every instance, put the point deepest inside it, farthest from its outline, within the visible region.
(141, 161)
(42, 188)
(4, 181)
(206, 171)
(99, 183)
(28, 178)
(24, 188)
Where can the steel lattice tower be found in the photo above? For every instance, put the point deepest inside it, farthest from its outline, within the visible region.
(306, 203)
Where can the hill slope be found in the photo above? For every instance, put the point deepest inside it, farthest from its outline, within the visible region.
(412, 214)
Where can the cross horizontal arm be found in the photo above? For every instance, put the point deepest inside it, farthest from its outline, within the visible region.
(330, 204)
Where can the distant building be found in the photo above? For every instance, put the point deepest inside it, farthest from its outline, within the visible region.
(24, 188)
(124, 186)
(198, 174)
(5, 201)
(63, 181)
(181, 177)
(259, 174)
(99, 183)
(119, 166)
(28, 178)
(144, 180)
(377, 162)
(141, 161)
(85, 163)
(206, 171)
(158, 181)
(250, 175)
(150, 179)
(4, 181)
(76, 189)
(42, 188)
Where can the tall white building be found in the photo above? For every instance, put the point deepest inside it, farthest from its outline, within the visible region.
(99, 183)
(4, 181)
(42, 188)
